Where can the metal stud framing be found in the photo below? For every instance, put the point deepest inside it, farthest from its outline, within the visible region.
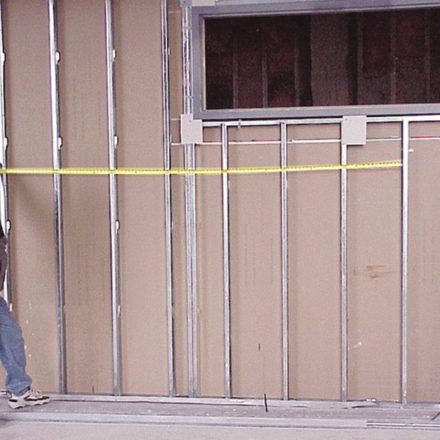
(167, 183)
(190, 218)
(57, 183)
(114, 208)
(284, 261)
(190, 211)
(404, 301)
(4, 196)
(344, 312)
(226, 263)
(405, 139)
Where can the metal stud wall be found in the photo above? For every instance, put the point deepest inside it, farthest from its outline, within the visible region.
(203, 363)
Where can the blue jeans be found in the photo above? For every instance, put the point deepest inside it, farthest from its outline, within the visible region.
(12, 354)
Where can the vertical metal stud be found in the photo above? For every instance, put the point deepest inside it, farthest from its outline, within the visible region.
(167, 183)
(4, 196)
(226, 262)
(344, 296)
(190, 210)
(195, 357)
(57, 182)
(284, 261)
(404, 318)
(114, 208)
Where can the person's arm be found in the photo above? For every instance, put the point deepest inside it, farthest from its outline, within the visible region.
(3, 256)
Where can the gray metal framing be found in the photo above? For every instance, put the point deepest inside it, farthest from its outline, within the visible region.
(277, 403)
(344, 284)
(167, 189)
(284, 260)
(57, 183)
(405, 140)
(114, 208)
(226, 263)
(190, 209)
(282, 6)
(237, 8)
(404, 311)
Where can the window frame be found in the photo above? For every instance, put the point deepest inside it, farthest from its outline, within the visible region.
(236, 8)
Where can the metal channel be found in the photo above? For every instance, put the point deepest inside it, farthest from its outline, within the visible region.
(167, 188)
(344, 296)
(4, 196)
(57, 182)
(404, 318)
(226, 262)
(305, 141)
(272, 402)
(190, 210)
(114, 208)
(284, 261)
(271, 122)
(316, 121)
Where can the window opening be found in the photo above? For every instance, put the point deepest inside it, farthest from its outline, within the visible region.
(315, 60)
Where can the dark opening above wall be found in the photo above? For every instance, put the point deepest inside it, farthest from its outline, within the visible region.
(315, 60)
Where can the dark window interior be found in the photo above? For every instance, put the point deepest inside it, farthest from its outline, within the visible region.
(390, 57)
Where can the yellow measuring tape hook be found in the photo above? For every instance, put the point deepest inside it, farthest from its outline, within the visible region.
(197, 171)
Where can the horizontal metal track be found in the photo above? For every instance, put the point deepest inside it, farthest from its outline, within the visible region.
(319, 121)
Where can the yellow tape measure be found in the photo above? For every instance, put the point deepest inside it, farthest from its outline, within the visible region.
(197, 171)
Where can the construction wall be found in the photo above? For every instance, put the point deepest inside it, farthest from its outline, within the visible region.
(374, 230)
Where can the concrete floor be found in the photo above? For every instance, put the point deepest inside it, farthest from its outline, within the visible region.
(89, 431)
(68, 420)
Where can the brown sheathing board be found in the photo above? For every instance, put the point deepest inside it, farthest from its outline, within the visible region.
(314, 286)
(210, 273)
(424, 261)
(374, 272)
(142, 237)
(255, 268)
(179, 275)
(31, 198)
(86, 205)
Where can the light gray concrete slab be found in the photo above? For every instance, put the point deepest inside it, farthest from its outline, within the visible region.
(108, 420)
(102, 431)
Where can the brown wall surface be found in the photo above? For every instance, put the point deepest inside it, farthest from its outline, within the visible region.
(143, 283)
(86, 225)
(424, 255)
(374, 230)
(255, 268)
(314, 298)
(374, 273)
(179, 276)
(210, 273)
(31, 198)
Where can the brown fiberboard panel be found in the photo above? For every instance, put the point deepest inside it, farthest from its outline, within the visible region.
(86, 204)
(141, 198)
(31, 198)
(314, 271)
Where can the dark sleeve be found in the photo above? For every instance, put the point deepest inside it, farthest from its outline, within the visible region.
(3, 256)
